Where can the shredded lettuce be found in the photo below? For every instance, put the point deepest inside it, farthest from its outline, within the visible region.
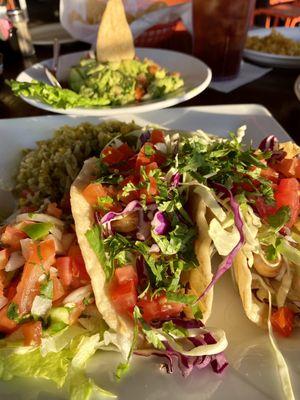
(60, 359)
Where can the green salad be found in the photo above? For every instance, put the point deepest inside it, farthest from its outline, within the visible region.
(95, 84)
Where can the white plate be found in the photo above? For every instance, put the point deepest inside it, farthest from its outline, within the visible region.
(252, 372)
(44, 35)
(270, 59)
(195, 73)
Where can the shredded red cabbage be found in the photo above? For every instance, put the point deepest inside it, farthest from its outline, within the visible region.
(227, 262)
(175, 179)
(145, 136)
(186, 364)
(111, 215)
(270, 143)
(160, 223)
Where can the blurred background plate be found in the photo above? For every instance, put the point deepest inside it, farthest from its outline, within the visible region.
(44, 35)
(195, 73)
(270, 59)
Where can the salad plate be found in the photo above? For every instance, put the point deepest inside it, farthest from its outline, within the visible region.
(271, 59)
(252, 369)
(195, 74)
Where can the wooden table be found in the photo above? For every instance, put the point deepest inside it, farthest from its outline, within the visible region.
(274, 90)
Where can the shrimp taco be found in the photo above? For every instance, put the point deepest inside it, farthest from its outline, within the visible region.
(253, 197)
(144, 237)
(269, 261)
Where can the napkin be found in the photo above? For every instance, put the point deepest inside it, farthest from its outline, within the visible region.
(81, 30)
(248, 73)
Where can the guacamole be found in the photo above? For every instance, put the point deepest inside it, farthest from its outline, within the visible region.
(118, 83)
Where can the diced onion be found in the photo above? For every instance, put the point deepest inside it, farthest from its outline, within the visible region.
(78, 295)
(40, 306)
(16, 261)
(38, 217)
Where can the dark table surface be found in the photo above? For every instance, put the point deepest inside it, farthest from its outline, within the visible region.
(274, 90)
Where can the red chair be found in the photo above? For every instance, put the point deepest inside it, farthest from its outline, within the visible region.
(289, 13)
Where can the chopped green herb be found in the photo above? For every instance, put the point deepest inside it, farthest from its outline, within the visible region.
(47, 289)
(181, 298)
(280, 218)
(13, 312)
(173, 330)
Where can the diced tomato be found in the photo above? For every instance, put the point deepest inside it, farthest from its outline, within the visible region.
(126, 151)
(58, 289)
(264, 209)
(2, 282)
(11, 290)
(150, 167)
(152, 69)
(270, 174)
(79, 272)
(95, 191)
(123, 297)
(289, 167)
(282, 321)
(40, 260)
(64, 269)
(125, 274)
(11, 237)
(287, 195)
(159, 308)
(6, 325)
(53, 210)
(75, 313)
(132, 195)
(139, 93)
(145, 154)
(150, 191)
(32, 332)
(111, 155)
(4, 256)
(157, 136)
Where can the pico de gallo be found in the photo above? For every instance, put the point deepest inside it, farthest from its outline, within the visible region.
(44, 285)
(144, 238)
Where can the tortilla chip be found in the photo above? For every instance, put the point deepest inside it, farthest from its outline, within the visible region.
(291, 149)
(114, 41)
(83, 215)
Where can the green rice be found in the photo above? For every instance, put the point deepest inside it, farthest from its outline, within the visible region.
(48, 171)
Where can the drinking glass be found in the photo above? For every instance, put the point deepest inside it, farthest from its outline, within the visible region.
(220, 30)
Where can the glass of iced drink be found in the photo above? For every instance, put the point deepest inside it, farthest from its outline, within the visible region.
(220, 30)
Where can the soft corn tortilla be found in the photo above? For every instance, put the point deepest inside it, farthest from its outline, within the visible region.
(256, 311)
(199, 277)
(114, 41)
(83, 215)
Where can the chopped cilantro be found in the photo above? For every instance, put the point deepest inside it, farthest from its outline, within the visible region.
(181, 298)
(176, 331)
(46, 289)
(13, 312)
(280, 218)
(148, 150)
(95, 241)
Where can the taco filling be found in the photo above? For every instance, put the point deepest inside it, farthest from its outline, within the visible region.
(44, 286)
(134, 214)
